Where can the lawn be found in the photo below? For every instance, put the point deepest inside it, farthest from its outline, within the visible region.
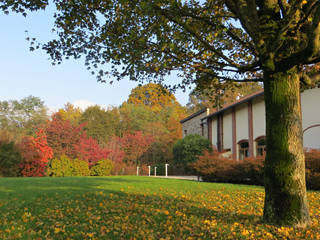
(138, 208)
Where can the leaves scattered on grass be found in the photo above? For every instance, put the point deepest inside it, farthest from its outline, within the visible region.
(134, 212)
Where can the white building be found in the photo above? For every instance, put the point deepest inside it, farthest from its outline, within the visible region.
(239, 128)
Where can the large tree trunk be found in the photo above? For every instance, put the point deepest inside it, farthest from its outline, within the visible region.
(285, 187)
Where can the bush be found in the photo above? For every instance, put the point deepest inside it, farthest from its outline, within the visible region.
(9, 160)
(213, 167)
(80, 168)
(64, 166)
(102, 168)
(313, 169)
(188, 149)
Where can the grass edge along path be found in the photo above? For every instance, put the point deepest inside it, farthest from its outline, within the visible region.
(130, 207)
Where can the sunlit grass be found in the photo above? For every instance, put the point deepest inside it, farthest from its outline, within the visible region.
(138, 207)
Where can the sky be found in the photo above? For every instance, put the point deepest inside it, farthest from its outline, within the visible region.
(24, 73)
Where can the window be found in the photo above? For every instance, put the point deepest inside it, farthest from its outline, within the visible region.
(260, 146)
(243, 149)
(185, 132)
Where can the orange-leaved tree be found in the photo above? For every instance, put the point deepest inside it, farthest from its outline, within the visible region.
(35, 154)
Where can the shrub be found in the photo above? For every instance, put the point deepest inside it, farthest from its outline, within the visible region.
(9, 160)
(188, 149)
(64, 166)
(60, 167)
(213, 167)
(312, 158)
(102, 168)
(80, 168)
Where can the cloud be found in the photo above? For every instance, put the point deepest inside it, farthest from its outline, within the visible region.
(51, 110)
(83, 104)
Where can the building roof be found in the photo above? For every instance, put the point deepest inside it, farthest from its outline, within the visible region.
(236, 103)
(194, 115)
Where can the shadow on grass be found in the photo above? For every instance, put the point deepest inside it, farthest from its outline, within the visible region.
(43, 193)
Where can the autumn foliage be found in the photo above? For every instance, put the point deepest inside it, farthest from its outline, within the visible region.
(89, 150)
(72, 142)
(134, 145)
(213, 167)
(62, 136)
(35, 154)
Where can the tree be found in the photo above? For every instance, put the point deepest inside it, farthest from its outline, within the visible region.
(215, 99)
(152, 95)
(210, 43)
(63, 136)
(22, 117)
(156, 112)
(100, 124)
(116, 155)
(71, 113)
(135, 117)
(89, 150)
(10, 158)
(35, 154)
(134, 145)
(188, 149)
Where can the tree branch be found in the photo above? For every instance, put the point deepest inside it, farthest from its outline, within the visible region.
(228, 31)
(195, 34)
(248, 17)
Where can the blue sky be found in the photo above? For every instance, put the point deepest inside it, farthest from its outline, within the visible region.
(25, 73)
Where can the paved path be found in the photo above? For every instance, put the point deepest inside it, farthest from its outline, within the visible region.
(192, 178)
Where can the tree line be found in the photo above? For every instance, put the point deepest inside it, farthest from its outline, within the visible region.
(141, 131)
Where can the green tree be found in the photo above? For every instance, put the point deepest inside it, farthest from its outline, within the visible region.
(22, 117)
(188, 149)
(210, 43)
(100, 124)
(135, 117)
(70, 113)
(10, 159)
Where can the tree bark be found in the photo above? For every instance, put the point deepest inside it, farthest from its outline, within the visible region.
(285, 186)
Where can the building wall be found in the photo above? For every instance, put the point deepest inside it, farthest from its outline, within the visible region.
(242, 122)
(259, 122)
(205, 130)
(310, 99)
(214, 131)
(193, 125)
(227, 130)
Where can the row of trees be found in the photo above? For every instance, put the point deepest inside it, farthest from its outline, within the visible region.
(142, 130)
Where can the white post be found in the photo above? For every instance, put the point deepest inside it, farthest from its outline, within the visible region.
(167, 169)
(138, 171)
(149, 170)
(155, 171)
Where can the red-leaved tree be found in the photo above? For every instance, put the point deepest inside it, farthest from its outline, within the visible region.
(116, 154)
(63, 136)
(35, 154)
(89, 150)
(134, 145)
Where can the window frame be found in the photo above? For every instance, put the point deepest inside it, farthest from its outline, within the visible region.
(243, 151)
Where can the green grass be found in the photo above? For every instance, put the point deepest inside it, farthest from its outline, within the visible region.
(138, 208)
